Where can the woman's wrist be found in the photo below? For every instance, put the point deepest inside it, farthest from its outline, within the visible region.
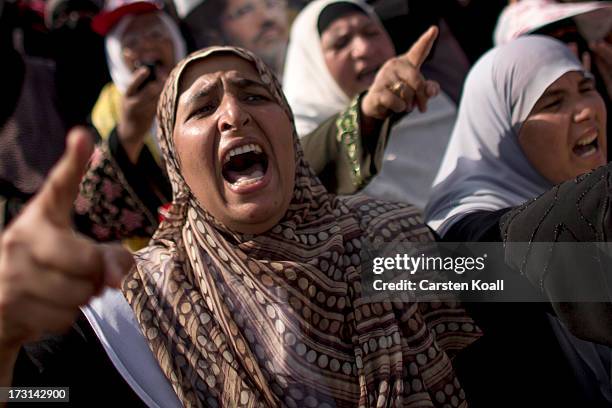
(369, 125)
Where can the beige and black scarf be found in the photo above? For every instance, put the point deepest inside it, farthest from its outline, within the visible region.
(279, 319)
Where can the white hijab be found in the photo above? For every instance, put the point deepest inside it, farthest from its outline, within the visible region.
(416, 143)
(119, 71)
(311, 91)
(593, 18)
(484, 167)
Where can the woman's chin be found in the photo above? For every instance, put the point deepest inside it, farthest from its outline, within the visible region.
(254, 206)
(254, 217)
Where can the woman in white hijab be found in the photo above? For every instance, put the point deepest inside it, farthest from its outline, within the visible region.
(530, 118)
(139, 37)
(496, 159)
(335, 51)
(143, 44)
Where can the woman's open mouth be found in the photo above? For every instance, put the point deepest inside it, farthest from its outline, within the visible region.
(587, 145)
(367, 74)
(245, 165)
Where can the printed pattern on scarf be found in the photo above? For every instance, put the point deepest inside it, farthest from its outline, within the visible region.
(279, 319)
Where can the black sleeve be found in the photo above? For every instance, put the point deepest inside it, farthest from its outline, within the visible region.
(77, 360)
(561, 234)
(479, 226)
(145, 177)
(484, 226)
(518, 361)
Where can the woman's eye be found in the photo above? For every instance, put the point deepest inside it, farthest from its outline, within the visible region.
(242, 11)
(203, 111)
(255, 98)
(587, 88)
(552, 104)
(340, 43)
(371, 33)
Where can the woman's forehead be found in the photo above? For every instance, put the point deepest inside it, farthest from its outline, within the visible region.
(351, 20)
(567, 80)
(210, 69)
(142, 22)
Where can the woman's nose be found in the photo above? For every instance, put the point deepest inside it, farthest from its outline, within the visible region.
(234, 115)
(584, 111)
(360, 47)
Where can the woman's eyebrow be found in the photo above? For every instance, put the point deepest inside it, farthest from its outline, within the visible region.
(338, 33)
(200, 94)
(242, 83)
(557, 92)
(552, 93)
(586, 81)
(204, 92)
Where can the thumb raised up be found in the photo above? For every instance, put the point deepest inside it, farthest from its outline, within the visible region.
(59, 191)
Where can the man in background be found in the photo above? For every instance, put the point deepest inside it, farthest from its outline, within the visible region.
(261, 26)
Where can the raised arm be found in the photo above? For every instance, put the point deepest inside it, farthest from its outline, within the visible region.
(553, 241)
(46, 269)
(346, 150)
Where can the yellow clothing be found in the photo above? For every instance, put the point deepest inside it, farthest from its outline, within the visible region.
(105, 116)
(106, 113)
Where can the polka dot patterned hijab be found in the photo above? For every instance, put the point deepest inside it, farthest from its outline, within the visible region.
(279, 319)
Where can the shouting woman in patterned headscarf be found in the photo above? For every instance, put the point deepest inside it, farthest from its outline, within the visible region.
(250, 292)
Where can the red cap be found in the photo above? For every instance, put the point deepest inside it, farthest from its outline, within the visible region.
(103, 22)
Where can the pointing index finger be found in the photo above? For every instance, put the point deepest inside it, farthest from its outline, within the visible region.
(419, 51)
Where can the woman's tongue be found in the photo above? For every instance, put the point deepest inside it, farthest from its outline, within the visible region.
(247, 175)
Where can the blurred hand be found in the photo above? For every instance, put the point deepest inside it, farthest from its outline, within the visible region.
(602, 53)
(138, 107)
(399, 84)
(47, 270)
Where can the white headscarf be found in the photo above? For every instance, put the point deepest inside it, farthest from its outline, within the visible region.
(484, 167)
(119, 71)
(593, 18)
(311, 91)
(416, 143)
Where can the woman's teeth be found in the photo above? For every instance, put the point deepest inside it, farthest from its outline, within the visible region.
(587, 140)
(244, 165)
(587, 146)
(247, 179)
(241, 150)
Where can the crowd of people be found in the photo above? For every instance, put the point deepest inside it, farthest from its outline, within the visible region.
(187, 189)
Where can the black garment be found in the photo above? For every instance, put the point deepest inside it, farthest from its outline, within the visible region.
(14, 69)
(146, 177)
(28, 150)
(472, 22)
(76, 360)
(515, 364)
(81, 71)
(576, 211)
(518, 362)
(480, 226)
(334, 11)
